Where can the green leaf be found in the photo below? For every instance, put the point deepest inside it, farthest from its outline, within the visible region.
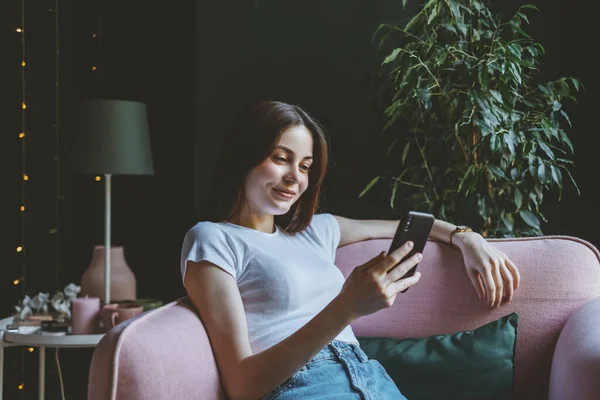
(518, 198)
(530, 219)
(508, 221)
(496, 95)
(556, 105)
(497, 171)
(521, 31)
(393, 197)
(405, 152)
(449, 27)
(564, 114)
(542, 173)
(524, 16)
(369, 186)
(515, 50)
(389, 151)
(573, 180)
(529, 6)
(392, 56)
(494, 143)
(434, 13)
(556, 175)
(565, 139)
(455, 9)
(547, 150)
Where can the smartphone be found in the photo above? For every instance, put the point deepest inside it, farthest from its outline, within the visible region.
(415, 227)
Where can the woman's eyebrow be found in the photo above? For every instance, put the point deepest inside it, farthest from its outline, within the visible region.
(290, 151)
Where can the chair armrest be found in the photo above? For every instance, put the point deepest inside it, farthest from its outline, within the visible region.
(575, 372)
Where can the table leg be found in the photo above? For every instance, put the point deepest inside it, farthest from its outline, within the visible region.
(1, 365)
(42, 373)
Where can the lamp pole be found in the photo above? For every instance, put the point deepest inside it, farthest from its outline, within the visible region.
(107, 238)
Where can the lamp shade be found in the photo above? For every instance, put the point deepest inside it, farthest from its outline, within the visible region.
(112, 138)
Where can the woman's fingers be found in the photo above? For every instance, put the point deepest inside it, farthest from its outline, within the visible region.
(490, 286)
(395, 257)
(399, 271)
(474, 277)
(499, 283)
(509, 287)
(405, 283)
(481, 285)
(514, 272)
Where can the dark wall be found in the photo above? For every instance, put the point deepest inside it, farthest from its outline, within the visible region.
(319, 54)
(143, 51)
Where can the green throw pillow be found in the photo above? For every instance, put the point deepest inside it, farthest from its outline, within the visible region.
(477, 364)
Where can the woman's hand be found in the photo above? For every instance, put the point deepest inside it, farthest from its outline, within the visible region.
(374, 285)
(492, 274)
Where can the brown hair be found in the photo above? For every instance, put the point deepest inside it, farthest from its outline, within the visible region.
(251, 139)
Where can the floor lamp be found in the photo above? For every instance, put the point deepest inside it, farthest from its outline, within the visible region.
(112, 139)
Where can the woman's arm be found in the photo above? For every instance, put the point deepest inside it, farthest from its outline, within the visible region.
(492, 274)
(353, 230)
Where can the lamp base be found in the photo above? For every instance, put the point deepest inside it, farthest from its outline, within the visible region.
(122, 279)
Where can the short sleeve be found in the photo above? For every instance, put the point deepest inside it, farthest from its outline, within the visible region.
(327, 229)
(207, 242)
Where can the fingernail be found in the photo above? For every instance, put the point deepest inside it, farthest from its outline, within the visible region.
(419, 256)
(410, 244)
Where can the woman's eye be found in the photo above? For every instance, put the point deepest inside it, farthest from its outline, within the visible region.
(281, 159)
(305, 168)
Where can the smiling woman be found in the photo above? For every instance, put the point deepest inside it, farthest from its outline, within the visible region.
(261, 271)
(276, 142)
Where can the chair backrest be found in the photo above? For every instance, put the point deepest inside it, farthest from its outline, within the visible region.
(161, 354)
(559, 274)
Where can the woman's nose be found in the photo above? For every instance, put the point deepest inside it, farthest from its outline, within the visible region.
(293, 175)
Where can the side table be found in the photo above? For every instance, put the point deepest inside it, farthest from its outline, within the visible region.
(36, 339)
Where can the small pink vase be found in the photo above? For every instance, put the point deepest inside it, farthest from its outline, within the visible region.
(122, 280)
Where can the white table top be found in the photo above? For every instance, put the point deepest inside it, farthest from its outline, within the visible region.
(37, 339)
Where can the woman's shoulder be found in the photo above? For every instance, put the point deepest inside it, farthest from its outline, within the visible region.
(206, 230)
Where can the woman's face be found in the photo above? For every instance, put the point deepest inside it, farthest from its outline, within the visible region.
(273, 186)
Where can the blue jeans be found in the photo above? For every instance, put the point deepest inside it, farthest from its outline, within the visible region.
(340, 371)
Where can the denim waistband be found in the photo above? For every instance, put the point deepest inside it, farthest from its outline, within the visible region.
(338, 349)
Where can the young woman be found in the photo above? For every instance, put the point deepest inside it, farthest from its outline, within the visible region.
(261, 270)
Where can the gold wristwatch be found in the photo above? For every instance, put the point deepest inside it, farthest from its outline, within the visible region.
(458, 229)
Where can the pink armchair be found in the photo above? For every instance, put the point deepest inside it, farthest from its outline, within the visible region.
(165, 353)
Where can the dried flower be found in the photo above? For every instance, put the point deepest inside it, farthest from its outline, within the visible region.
(60, 302)
(40, 302)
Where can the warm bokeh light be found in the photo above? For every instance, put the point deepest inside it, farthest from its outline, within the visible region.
(98, 179)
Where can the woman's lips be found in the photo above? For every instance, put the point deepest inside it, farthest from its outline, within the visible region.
(285, 195)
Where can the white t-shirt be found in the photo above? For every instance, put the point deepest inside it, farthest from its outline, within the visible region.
(284, 281)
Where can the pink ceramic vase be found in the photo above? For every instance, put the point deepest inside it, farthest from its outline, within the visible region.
(122, 280)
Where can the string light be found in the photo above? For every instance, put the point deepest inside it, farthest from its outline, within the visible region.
(94, 68)
(30, 349)
(98, 179)
(21, 249)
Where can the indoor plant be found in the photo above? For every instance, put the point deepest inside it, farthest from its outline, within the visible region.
(474, 137)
